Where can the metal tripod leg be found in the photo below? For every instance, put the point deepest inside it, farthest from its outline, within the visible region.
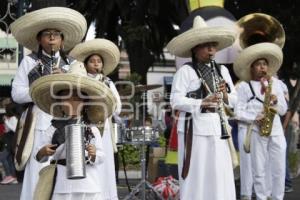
(143, 183)
(141, 186)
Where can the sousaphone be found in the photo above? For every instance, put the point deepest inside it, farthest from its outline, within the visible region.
(258, 27)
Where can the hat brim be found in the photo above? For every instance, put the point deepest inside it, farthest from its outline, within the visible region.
(182, 44)
(70, 22)
(269, 51)
(105, 48)
(100, 105)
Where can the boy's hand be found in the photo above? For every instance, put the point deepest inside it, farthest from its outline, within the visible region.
(91, 149)
(47, 150)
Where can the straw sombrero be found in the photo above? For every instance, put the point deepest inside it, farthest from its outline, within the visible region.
(105, 48)
(70, 22)
(269, 51)
(101, 101)
(200, 33)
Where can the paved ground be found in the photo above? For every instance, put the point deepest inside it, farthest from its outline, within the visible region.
(12, 192)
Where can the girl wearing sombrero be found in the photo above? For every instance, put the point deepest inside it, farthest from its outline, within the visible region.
(73, 98)
(47, 33)
(255, 66)
(204, 160)
(101, 57)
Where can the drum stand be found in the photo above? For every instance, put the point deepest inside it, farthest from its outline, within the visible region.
(141, 186)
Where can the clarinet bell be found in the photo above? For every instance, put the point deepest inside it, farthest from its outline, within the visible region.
(224, 133)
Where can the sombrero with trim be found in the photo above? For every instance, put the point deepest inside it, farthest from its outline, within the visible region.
(269, 51)
(70, 22)
(105, 48)
(200, 33)
(100, 100)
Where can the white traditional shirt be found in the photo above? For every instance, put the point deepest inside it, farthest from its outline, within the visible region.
(20, 90)
(107, 170)
(246, 110)
(208, 153)
(20, 94)
(186, 80)
(90, 184)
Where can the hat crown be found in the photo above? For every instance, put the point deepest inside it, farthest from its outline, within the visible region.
(199, 22)
(70, 22)
(78, 68)
(105, 48)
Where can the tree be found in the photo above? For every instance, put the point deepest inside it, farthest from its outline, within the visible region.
(144, 26)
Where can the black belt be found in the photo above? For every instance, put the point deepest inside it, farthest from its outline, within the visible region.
(60, 162)
(64, 161)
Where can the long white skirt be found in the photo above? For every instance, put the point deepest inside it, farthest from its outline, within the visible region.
(245, 166)
(31, 174)
(107, 168)
(210, 174)
(78, 196)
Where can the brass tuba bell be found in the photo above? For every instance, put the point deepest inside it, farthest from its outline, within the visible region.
(258, 27)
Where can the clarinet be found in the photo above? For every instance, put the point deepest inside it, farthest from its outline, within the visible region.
(52, 59)
(220, 108)
(102, 78)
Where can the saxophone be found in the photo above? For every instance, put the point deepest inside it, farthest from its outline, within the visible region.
(269, 112)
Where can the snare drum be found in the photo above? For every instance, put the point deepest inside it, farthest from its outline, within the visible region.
(136, 134)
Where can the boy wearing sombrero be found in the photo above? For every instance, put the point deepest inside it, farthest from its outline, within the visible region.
(204, 160)
(73, 98)
(255, 66)
(47, 33)
(101, 57)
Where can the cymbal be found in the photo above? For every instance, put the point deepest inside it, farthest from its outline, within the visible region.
(126, 113)
(139, 88)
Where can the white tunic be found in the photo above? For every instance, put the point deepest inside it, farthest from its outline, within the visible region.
(107, 169)
(264, 149)
(210, 174)
(109, 176)
(20, 94)
(73, 187)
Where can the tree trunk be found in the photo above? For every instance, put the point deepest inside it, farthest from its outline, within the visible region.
(140, 59)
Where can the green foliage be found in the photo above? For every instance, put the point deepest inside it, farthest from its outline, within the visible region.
(131, 155)
(136, 33)
(162, 141)
(135, 78)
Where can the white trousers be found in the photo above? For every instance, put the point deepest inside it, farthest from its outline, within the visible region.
(272, 150)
